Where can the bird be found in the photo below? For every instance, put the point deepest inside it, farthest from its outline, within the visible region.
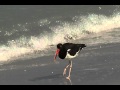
(68, 51)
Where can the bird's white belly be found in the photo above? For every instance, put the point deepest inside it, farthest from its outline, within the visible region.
(68, 56)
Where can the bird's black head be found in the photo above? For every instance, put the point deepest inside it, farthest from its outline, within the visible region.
(59, 45)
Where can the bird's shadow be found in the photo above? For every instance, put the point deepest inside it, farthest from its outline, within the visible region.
(56, 76)
(47, 77)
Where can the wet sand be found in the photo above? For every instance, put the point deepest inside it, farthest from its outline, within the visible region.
(96, 65)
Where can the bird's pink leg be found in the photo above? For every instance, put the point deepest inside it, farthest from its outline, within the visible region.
(69, 71)
(64, 72)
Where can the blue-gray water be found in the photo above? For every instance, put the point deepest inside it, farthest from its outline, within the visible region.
(31, 31)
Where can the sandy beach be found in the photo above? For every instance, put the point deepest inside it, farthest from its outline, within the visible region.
(96, 65)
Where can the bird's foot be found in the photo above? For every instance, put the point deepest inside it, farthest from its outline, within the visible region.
(64, 73)
(68, 78)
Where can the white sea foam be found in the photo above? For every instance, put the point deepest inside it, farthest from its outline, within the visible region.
(89, 29)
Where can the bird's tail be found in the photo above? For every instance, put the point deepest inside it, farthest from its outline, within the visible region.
(81, 46)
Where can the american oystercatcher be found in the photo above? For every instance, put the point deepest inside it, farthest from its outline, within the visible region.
(68, 51)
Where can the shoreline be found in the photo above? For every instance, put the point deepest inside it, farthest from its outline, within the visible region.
(96, 65)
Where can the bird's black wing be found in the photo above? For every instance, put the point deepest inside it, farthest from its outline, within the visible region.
(67, 46)
(74, 50)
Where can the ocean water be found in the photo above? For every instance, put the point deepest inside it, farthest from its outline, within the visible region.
(32, 31)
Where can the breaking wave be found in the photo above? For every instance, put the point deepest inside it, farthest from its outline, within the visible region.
(91, 29)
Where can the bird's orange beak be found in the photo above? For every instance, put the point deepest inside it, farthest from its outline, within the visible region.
(56, 54)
